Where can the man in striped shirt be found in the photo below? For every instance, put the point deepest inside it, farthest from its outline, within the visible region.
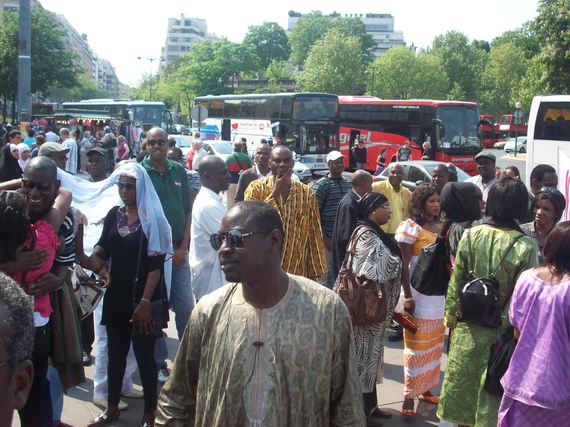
(330, 189)
(303, 252)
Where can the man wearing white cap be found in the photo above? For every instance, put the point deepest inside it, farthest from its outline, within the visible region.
(329, 190)
(486, 168)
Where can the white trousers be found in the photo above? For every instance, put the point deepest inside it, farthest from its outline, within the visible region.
(102, 359)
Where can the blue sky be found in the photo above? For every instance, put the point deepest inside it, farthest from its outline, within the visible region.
(122, 30)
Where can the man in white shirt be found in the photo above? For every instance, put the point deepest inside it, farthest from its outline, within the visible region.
(486, 178)
(69, 143)
(207, 213)
(51, 136)
(198, 152)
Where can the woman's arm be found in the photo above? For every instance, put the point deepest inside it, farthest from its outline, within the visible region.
(99, 265)
(82, 259)
(58, 211)
(409, 304)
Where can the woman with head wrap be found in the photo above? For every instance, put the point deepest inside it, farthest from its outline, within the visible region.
(24, 152)
(135, 229)
(377, 257)
(461, 204)
(9, 167)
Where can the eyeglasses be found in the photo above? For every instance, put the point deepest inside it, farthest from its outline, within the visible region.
(153, 142)
(233, 238)
(126, 185)
(30, 185)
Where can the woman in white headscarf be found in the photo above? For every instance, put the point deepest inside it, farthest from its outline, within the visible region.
(136, 238)
(24, 151)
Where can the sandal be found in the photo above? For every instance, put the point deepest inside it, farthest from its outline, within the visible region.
(430, 398)
(103, 419)
(406, 411)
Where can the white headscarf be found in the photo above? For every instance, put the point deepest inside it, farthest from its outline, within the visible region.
(95, 199)
(23, 147)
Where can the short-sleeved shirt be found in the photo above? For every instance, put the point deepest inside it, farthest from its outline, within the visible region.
(329, 193)
(399, 202)
(66, 232)
(404, 154)
(538, 374)
(237, 162)
(172, 189)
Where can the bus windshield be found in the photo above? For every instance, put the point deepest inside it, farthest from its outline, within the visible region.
(153, 114)
(460, 125)
(316, 108)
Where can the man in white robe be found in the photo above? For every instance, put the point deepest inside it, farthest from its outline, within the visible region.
(268, 349)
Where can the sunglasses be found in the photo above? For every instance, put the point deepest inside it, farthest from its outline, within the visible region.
(233, 238)
(551, 190)
(126, 185)
(153, 142)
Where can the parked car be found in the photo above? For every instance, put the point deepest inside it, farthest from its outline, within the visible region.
(499, 145)
(520, 143)
(219, 148)
(416, 171)
(303, 172)
(184, 143)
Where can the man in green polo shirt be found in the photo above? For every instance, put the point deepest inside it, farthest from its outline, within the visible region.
(170, 182)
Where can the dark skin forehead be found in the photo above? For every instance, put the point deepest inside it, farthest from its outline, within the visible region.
(157, 133)
(281, 153)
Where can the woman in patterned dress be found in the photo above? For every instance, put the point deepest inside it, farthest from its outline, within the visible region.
(376, 257)
(422, 350)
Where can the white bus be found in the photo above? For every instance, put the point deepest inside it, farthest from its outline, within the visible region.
(548, 132)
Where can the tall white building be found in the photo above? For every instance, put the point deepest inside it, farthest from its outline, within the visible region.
(379, 25)
(181, 34)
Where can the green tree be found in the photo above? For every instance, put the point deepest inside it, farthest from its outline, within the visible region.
(314, 26)
(309, 28)
(52, 62)
(524, 37)
(278, 70)
(335, 64)
(503, 75)
(401, 74)
(85, 89)
(552, 26)
(269, 41)
(463, 62)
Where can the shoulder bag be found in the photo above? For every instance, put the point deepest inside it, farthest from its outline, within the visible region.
(431, 273)
(159, 307)
(479, 297)
(365, 299)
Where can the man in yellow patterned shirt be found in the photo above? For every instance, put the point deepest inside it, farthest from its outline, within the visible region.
(304, 253)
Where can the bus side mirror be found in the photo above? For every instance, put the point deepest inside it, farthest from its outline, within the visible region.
(441, 127)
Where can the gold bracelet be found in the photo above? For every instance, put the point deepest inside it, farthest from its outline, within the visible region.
(145, 300)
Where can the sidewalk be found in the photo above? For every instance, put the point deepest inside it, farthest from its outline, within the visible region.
(78, 408)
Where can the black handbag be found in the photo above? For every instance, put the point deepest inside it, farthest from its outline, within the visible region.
(159, 307)
(499, 359)
(431, 273)
(479, 297)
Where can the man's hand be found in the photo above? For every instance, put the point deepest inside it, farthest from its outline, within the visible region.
(47, 283)
(179, 257)
(28, 260)
(281, 186)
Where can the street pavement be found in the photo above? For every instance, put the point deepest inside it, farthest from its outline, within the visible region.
(504, 160)
(78, 408)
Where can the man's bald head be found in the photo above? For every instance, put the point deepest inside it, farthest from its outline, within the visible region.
(361, 182)
(157, 132)
(213, 173)
(42, 163)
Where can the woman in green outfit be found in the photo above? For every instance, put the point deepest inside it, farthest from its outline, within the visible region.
(463, 399)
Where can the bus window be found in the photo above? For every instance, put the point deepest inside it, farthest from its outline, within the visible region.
(232, 108)
(314, 108)
(286, 106)
(249, 108)
(553, 122)
(269, 108)
(215, 109)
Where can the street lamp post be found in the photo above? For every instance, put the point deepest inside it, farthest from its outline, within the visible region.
(150, 60)
(517, 119)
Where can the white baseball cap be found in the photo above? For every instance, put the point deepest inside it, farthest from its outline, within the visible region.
(334, 155)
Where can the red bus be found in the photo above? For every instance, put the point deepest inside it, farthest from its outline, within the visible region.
(488, 130)
(506, 128)
(451, 127)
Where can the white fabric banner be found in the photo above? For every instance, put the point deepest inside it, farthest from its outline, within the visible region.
(563, 170)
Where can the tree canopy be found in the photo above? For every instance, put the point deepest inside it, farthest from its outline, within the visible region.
(269, 41)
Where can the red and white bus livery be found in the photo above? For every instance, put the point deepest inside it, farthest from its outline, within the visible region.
(450, 127)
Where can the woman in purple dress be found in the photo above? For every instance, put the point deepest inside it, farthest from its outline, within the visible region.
(537, 383)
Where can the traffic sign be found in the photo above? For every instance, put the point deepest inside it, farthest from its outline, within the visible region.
(518, 117)
(199, 113)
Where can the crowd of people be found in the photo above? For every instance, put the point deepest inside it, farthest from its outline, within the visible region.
(254, 265)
